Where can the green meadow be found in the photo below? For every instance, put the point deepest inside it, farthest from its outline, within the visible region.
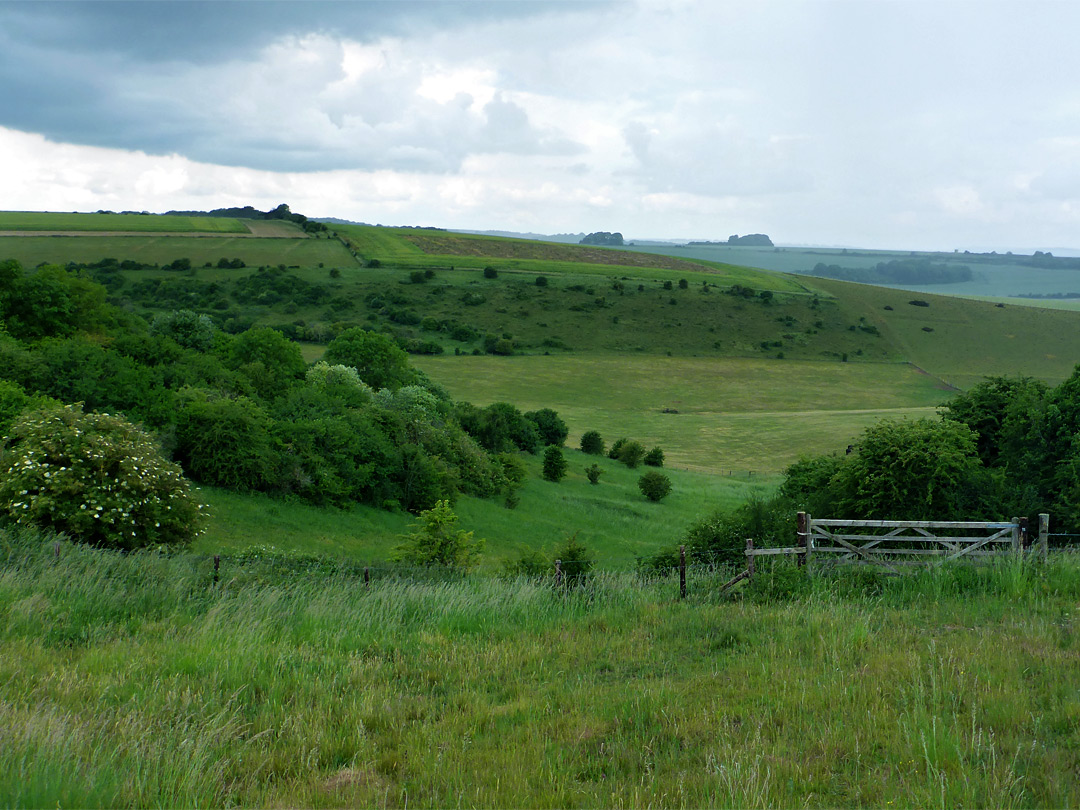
(136, 680)
(713, 415)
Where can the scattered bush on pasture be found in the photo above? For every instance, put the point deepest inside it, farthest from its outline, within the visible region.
(554, 464)
(552, 429)
(654, 458)
(95, 477)
(654, 485)
(576, 561)
(592, 472)
(631, 453)
(435, 542)
(592, 443)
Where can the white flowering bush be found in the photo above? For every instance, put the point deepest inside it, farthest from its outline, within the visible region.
(97, 478)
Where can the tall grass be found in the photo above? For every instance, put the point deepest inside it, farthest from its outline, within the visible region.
(136, 681)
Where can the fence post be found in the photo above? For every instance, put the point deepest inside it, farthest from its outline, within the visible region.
(1025, 535)
(808, 541)
(1016, 535)
(800, 538)
(749, 558)
(682, 572)
(558, 573)
(367, 577)
(1044, 536)
(217, 567)
(56, 550)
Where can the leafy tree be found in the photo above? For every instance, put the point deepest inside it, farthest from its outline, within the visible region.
(490, 272)
(52, 301)
(654, 458)
(435, 542)
(721, 536)
(552, 429)
(654, 485)
(190, 329)
(95, 477)
(500, 427)
(554, 464)
(268, 359)
(914, 470)
(592, 443)
(227, 443)
(592, 472)
(378, 360)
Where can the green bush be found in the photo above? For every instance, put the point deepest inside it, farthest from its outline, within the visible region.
(554, 464)
(576, 561)
(654, 485)
(95, 477)
(552, 429)
(631, 453)
(435, 542)
(654, 458)
(592, 472)
(227, 443)
(592, 443)
(541, 281)
(490, 272)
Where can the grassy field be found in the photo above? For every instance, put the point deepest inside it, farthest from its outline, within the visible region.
(134, 681)
(302, 252)
(612, 518)
(42, 221)
(732, 413)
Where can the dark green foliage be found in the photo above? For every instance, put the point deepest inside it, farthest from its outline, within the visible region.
(268, 359)
(654, 458)
(378, 360)
(654, 485)
(683, 284)
(616, 448)
(592, 443)
(541, 281)
(490, 272)
(668, 285)
(592, 472)
(531, 565)
(189, 329)
(417, 277)
(603, 238)
(227, 443)
(630, 453)
(552, 429)
(554, 464)
(721, 537)
(49, 301)
(500, 427)
(576, 561)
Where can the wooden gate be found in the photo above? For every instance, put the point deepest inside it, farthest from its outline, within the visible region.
(893, 545)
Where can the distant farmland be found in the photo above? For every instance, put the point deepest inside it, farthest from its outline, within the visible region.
(143, 223)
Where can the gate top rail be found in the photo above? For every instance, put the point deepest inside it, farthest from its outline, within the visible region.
(916, 524)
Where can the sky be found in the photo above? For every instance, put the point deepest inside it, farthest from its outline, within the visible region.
(907, 124)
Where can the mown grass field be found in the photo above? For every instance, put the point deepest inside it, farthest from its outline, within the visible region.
(135, 681)
(47, 221)
(732, 413)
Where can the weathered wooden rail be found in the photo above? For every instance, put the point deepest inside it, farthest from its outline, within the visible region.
(894, 545)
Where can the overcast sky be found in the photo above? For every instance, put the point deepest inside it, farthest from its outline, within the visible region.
(915, 124)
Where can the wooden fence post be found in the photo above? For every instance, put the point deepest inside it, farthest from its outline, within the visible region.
(367, 577)
(800, 537)
(56, 550)
(217, 567)
(558, 573)
(1025, 535)
(808, 540)
(1044, 536)
(682, 572)
(749, 558)
(1016, 535)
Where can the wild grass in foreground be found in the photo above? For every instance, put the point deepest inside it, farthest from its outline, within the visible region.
(136, 681)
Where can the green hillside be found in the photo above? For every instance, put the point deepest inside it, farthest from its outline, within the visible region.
(46, 221)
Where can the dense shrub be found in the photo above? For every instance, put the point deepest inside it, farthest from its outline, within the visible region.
(490, 272)
(96, 478)
(592, 472)
(552, 429)
(190, 329)
(654, 485)
(631, 453)
(592, 443)
(554, 464)
(227, 443)
(378, 360)
(654, 458)
(576, 561)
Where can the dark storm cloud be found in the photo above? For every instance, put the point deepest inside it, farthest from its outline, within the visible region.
(113, 74)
